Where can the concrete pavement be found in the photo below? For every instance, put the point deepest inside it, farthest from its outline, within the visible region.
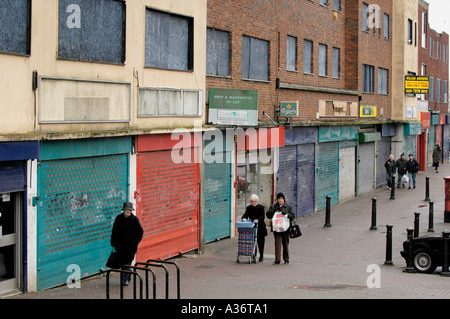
(326, 263)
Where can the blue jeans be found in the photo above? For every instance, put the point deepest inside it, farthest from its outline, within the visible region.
(412, 178)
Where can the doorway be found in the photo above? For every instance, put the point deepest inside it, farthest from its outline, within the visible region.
(11, 209)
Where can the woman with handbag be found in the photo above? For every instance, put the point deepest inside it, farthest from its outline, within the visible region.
(255, 212)
(283, 213)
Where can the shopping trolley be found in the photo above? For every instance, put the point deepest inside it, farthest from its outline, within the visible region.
(247, 240)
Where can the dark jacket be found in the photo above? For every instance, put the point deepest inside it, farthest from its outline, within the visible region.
(257, 212)
(401, 166)
(285, 209)
(125, 237)
(413, 166)
(437, 154)
(391, 166)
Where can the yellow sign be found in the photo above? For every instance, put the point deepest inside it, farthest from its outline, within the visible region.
(416, 84)
(367, 111)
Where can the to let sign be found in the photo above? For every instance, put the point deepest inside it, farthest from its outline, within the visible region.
(416, 84)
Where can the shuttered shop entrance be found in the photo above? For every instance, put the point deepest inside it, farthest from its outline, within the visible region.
(366, 176)
(347, 173)
(217, 186)
(167, 201)
(328, 174)
(383, 152)
(79, 198)
(296, 177)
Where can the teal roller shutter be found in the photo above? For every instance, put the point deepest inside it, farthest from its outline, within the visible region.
(328, 174)
(217, 190)
(78, 202)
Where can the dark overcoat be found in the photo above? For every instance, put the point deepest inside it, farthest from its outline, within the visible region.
(125, 236)
(257, 212)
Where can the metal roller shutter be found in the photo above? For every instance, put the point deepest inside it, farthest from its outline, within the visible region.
(383, 152)
(347, 173)
(168, 204)
(79, 200)
(366, 176)
(328, 174)
(217, 189)
(287, 174)
(305, 179)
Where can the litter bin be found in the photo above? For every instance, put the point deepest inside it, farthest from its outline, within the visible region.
(447, 200)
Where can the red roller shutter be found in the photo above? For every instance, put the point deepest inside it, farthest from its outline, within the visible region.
(167, 204)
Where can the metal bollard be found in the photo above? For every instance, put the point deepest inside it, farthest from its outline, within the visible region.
(327, 213)
(445, 271)
(416, 224)
(388, 260)
(392, 188)
(374, 214)
(409, 262)
(427, 189)
(431, 218)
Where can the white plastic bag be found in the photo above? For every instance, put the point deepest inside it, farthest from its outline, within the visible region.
(405, 179)
(280, 222)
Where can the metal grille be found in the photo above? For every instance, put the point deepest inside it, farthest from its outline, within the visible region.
(383, 152)
(287, 175)
(328, 174)
(366, 176)
(79, 199)
(306, 179)
(217, 189)
(167, 204)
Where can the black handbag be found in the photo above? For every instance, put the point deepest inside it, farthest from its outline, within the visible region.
(294, 230)
(113, 261)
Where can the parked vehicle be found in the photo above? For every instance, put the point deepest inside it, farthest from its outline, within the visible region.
(428, 253)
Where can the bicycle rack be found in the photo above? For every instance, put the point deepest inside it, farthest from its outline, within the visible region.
(134, 273)
(135, 267)
(167, 275)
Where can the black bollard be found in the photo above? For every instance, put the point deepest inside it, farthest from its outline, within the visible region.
(388, 260)
(374, 214)
(427, 189)
(392, 187)
(416, 224)
(431, 218)
(327, 213)
(445, 235)
(409, 262)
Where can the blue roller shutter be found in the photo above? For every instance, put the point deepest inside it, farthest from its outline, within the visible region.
(217, 190)
(287, 174)
(305, 179)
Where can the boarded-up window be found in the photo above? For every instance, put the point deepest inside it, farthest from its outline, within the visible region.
(155, 102)
(168, 41)
(92, 31)
(15, 25)
(291, 53)
(217, 52)
(336, 62)
(322, 60)
(383, 81)
(307, 56)
(255, 59)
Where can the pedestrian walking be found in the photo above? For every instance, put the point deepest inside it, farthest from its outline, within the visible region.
(391, 168)
(255, 212)
(412, 167)
(281, 237)
(401, 169)
(126, 234)
(437, 156)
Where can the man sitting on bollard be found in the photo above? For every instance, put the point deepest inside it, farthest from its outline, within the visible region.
(401, 169)
(391, 168)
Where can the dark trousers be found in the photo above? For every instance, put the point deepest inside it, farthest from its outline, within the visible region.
(261, 241)
(281, 240)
